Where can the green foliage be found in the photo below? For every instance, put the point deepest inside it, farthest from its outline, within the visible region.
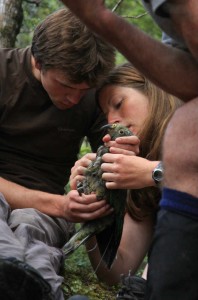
(80, 279)
(85, 148)
(135, 13)
(33, 15)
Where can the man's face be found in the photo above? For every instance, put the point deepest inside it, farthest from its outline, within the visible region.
(61, 91)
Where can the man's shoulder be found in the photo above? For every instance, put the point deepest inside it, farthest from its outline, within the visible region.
(13, 59)
(12, 53)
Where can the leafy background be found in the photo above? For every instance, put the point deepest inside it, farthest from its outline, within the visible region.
(132, 11)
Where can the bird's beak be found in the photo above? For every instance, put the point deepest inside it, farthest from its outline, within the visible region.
(107, 126)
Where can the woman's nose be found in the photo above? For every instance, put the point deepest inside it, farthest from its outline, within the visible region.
(112, 118)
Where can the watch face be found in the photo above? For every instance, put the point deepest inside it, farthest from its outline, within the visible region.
(158, 175)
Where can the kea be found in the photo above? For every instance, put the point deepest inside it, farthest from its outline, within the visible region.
(108, 229)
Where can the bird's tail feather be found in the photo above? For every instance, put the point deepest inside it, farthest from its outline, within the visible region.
(86, 231)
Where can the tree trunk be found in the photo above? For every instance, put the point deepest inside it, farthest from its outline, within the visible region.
(11, 17)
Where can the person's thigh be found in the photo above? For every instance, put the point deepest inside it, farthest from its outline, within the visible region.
(173, 261)
(10, 246)
(30, 224)
(180, 150)
(42, 237)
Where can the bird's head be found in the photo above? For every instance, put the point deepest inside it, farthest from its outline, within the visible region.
(117, 130)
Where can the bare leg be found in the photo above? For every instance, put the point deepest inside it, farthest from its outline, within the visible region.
(180, 150)
(173, 264)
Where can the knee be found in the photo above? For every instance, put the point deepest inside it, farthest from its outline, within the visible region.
(24, 216)
(4, 207)
(25, 223)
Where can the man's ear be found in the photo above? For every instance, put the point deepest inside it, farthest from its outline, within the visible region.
(36, 68)
(37, 65)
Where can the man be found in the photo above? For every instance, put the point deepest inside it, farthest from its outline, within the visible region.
(174, 69)
(47, 107)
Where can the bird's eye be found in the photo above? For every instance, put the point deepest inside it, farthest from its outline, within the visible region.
(121, 131)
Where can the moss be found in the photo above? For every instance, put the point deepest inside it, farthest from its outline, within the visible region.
(79, 278)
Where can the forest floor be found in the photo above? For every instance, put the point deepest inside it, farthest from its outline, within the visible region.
(80, 278)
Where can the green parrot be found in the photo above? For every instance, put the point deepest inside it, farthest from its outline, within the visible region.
(108, 229)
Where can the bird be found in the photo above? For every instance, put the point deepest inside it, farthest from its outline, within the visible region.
(107, 229)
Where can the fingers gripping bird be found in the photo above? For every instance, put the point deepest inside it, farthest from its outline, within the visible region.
(108, 229)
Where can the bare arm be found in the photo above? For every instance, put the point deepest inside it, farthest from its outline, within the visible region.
(72, 207)
(133, 247)
(127, 172)
(174, 70)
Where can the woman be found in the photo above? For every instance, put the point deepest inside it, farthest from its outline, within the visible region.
(127, 97)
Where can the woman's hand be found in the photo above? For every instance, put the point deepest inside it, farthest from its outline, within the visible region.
(124, 145)
(127, 172)
(128, 145)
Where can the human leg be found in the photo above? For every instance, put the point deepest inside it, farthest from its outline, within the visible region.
(18, 281)
(42, 237)
(133, 288)
(173, 264)
(10, 246)
(180, 150)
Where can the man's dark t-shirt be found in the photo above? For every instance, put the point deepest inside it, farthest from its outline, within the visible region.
(38, 142)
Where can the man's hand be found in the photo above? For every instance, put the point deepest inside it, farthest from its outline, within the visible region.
(84, 208)
(78, 170)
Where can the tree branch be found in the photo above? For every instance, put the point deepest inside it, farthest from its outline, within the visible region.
(36, 2)
(117, 5)
(135, 17)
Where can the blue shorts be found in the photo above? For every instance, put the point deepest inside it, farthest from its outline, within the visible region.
(173, 256)
(180, 203)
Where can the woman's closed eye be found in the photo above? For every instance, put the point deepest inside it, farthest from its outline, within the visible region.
(118, 104)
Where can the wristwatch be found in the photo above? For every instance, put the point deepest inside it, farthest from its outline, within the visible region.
(158, 174)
